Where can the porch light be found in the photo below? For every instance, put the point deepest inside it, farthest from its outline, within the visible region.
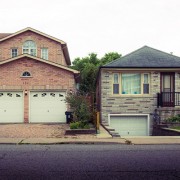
(25, 92)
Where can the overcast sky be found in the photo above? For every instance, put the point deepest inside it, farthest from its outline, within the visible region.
(99, 26)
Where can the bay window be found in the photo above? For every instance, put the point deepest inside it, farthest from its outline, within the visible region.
(131, 83)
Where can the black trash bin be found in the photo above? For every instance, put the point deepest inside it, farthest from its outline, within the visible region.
(69, 116)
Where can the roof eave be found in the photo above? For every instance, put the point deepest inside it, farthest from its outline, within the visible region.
(41, 60)
(66, 54)
(33, 30)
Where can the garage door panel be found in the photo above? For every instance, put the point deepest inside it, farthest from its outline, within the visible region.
(11, 107)
(47, 107)
(130, 125)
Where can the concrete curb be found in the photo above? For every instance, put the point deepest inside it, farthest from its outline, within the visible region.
(71, 141)
(120, 141)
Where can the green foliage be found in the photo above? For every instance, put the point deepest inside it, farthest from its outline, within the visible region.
(176, 127)
(109, 57)
(174, 119)
(74, 125)
(79, 125)
(80, 106)
(88, 67)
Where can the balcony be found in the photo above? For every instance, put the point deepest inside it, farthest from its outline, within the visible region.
(168, 99)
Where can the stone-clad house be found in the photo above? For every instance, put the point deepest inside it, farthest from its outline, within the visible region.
(34, 77)
(131, 88)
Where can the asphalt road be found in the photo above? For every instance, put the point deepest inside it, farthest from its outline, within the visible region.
(89, 162)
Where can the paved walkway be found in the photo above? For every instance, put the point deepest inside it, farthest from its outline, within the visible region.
(57, 136)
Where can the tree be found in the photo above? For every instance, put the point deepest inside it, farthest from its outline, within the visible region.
(88, 67)
(109, 57)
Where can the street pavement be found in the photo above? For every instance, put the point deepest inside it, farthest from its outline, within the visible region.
(102, 138)
(89, 161)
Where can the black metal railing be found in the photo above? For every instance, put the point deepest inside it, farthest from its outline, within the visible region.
(168, 99)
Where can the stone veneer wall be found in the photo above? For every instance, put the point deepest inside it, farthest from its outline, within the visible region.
(134, 104)
(127, 104)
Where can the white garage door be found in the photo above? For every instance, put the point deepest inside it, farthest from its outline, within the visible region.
(47, 107)
(130, 125)
(11, 107)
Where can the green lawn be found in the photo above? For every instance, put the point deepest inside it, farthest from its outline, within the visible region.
(176, 127)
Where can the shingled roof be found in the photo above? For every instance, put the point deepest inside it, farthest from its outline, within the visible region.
(3, 35)
(146, 57)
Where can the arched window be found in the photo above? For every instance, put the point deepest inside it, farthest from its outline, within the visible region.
(29, 47)
(26, 74)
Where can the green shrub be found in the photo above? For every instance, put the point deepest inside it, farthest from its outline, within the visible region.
(74, 125)
(79, 125)
(173, 119)
(80, 106)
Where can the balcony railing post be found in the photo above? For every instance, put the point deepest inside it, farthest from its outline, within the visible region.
(158, 100)
(168, 99)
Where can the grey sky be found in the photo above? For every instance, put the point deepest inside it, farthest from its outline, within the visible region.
(99, 26)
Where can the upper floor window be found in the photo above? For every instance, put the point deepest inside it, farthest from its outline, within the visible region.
(44, 53)
(131, 83)
(14, 52)
(116, 84)
(29, 47)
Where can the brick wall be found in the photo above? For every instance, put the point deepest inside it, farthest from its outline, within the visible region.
(54, 48)
(43, 77)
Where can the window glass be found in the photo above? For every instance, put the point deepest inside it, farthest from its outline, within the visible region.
(26, 74)
(115, 88)
(14, 52)
(146, 84)
(116, 78)
(131, 83)
(29, 47)
(44, 53)
(116, 84)
(145, 78)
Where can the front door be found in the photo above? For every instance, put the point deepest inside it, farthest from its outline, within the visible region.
(167, 89)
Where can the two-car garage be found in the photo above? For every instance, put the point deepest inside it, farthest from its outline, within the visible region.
(43, 107)
(130, 124)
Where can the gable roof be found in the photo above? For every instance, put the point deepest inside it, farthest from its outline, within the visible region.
(40, 60)
(146, 57)
(5, 36)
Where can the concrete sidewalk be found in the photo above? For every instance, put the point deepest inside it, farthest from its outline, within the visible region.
(132, 140)
(102, 138)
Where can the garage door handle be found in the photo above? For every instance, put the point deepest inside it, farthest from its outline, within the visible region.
(47, 110)
(4, 110)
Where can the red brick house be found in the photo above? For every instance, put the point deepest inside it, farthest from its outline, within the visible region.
(34, 77)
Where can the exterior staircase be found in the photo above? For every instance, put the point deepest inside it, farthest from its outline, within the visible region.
(111, 130)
